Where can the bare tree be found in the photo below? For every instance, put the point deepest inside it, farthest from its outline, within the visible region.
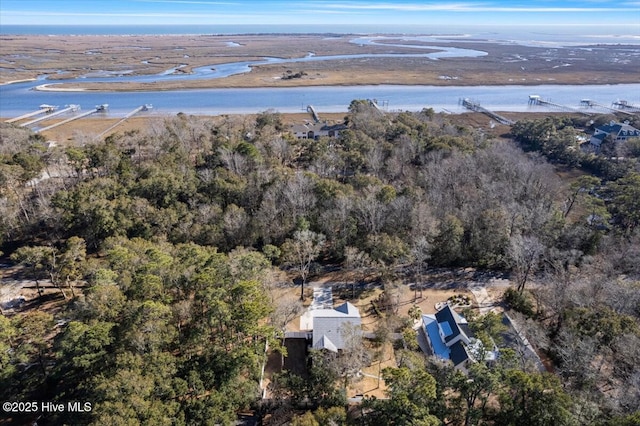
(371, 211)
(235, 223)
(353, 357)
(374, 158)
(299, 195)
(233, 160)
(301, 251)
(524, 255)
(357, 262)
(336, 222)
(420, 253)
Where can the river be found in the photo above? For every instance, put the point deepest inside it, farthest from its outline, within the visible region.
(18, 99)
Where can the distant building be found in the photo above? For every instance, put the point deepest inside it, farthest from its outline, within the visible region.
(317, 130)
(619, 132)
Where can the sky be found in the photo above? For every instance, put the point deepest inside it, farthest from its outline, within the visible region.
(596, 13)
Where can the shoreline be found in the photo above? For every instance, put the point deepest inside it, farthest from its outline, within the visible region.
(24, 80)
(47, 88)
(60, 87)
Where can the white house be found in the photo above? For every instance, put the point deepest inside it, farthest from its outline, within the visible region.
(328, 324)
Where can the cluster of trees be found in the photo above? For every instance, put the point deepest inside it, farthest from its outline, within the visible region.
(163, 334)
(560, 139)
(384, 187)
(172, 231)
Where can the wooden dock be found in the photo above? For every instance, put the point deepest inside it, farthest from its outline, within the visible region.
(475, 106)
(43, 109)
(537, 100)
(374, 104)
(588, 103)
(145, 107)
(624, 105)
(69, 108)
(98, 108)
(311, 110)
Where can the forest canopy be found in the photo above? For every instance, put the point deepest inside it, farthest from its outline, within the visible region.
(163, 243)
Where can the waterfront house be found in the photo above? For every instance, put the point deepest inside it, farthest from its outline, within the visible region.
(317, 130)
(619, 132)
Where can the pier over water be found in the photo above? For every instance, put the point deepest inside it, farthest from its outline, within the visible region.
(475, 106)
(537, 100)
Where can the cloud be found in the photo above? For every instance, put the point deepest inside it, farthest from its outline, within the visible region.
(125, 14)
(470, 7)
(211, 3)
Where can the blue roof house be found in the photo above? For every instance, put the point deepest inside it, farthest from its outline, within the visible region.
(449, 338)
(619, 132)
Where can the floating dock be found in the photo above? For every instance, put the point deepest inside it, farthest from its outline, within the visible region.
(537, 100)
(141, 108)
(475, 106)
(44, 109)
(69, 108)
(98, 108)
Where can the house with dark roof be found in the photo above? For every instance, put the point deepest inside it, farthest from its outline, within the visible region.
(327, 325)
(619, 132)
(317, 130)
(449, 336)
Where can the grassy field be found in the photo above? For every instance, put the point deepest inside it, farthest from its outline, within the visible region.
(25, 57)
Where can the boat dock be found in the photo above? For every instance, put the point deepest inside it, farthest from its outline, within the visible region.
(624, 105)
(44, 109)
(98, 108)
(69, 108)
(146, 107)
(537, 100)
(475, 106)
(374, 104)
(311, 110)
(588, 103)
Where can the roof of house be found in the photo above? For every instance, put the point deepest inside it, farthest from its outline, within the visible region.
(317, 127)
(328, 324)
(431, 327)
(343, 311)
(348, 309)
(450, 323)
(618, 129)
(459, 353)
(325, 343)
(441, 329)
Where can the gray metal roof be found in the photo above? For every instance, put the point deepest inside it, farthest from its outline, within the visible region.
(329, 324)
